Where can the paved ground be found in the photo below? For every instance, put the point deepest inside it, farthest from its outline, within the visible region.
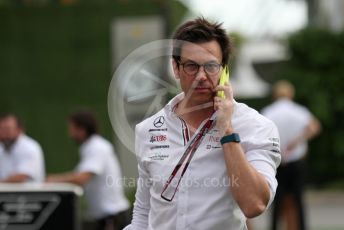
(325, 211)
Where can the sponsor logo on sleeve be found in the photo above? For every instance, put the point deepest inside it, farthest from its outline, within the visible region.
(275, 145)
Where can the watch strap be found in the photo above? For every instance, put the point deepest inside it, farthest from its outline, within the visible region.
(234, 137)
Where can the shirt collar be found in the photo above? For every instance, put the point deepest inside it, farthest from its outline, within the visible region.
(283, 101)
(174, 101)
(87, 141)
(14, 144)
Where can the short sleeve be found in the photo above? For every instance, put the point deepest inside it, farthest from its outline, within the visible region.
(92, 161)
(262, 149)
(305, 115)
(30, 163)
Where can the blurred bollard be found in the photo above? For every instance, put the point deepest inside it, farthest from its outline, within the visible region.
(39, 206)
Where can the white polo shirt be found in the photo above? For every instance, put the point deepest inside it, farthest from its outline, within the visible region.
(24, 157)
(203, 200)
(104, 192)
(291, 120)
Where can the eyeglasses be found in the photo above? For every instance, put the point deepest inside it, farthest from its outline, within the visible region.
(192, 68)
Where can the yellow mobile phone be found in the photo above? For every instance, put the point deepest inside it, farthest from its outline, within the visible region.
(224, 78)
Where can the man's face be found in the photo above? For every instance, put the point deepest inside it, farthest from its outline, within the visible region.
(9, 131)
(199, 86)
(78, 134)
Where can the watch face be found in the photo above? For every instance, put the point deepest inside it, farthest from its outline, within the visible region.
(236, 137)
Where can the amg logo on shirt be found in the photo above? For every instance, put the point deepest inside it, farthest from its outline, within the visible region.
(159, 138)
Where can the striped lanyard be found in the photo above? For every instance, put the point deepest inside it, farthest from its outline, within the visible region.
(178, 172)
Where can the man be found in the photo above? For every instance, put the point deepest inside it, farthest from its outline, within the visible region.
(98, 167)
(220, 184)
(21, 157)
(296, 126)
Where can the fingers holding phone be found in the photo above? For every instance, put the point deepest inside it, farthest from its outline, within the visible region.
(223, 102)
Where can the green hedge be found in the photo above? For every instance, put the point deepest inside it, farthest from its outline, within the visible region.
(54, 59)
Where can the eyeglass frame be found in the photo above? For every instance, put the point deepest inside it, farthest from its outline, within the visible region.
(199, 66)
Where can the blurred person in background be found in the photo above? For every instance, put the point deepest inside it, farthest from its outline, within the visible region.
(21, 157)
(98, 165)
(296, 126)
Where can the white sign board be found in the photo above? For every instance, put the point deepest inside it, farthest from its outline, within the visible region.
(127, 34)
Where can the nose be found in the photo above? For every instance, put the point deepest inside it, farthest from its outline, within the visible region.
(201, 75)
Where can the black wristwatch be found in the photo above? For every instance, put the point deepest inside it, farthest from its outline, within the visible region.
(234, 137)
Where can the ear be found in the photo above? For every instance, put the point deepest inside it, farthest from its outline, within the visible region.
(175, 69)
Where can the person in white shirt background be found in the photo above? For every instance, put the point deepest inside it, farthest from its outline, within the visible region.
(231, 176)
(21, 157)
(98, 164)
(296, 126)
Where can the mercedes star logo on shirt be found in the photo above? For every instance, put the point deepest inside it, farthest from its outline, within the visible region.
(159, 121)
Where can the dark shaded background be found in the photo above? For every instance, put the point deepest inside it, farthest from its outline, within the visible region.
(56, 58)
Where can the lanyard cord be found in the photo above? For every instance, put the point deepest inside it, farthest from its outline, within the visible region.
(168, 193)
